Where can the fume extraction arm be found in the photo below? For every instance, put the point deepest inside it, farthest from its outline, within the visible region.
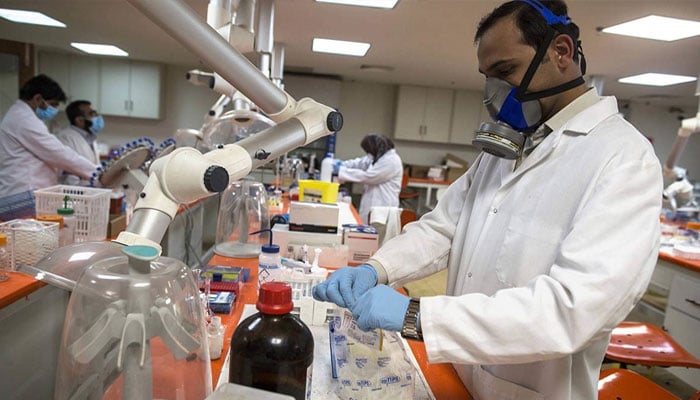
(185, 174)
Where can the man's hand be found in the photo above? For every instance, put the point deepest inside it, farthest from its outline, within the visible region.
(346, 285)
(380, 307)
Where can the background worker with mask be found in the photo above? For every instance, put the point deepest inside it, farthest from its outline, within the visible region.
(81, 136)
(548, 246)
(380, 172)
(30, 156)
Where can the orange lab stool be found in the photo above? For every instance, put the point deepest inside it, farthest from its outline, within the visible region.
(623, 384)
(646, 344)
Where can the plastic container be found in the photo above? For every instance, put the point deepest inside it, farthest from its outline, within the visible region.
(4, 258)
(273, 349)
(29, 240)
(91, 208)
(269, 261)
(318, 191)
(242, 210)
(215, 334)
(134, 329)
(327, 168)
(66, 235)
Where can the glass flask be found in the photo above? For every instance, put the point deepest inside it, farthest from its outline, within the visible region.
(134, 329)
(242, 210)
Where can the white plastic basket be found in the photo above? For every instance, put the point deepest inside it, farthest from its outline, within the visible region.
(91, 208)
(29, 240)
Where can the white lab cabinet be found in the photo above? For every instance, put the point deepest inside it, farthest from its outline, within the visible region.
(682, 321)
(467, 114)
(118, 87)
(78, 76)
(130, 88)
(423, 114)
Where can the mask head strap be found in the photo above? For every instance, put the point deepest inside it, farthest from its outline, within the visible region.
(556, 24)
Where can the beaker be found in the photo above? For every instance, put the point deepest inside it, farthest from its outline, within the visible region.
(242, 210)
(134, 329)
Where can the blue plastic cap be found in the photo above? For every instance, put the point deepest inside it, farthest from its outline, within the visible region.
(270, 248)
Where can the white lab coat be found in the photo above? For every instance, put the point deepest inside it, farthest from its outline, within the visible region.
(83, 142)
(381, 180)
(543, 262)
(30, 156)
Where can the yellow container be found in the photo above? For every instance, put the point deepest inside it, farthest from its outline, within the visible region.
(318, 191)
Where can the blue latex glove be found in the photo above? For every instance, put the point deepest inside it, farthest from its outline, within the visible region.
(346, 285)
(380, 307)
(336, 166)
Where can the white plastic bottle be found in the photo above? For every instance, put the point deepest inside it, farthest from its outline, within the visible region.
(67, 234)
(4, 258)
(327, 168)
(269, 264)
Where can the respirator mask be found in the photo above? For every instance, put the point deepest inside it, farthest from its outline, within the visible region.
(515, 112)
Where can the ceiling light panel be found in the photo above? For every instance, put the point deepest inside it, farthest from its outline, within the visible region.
(100, 49)
(342, 47)
(654, 79)
(30, 17)
(657, 28)
(364, 3)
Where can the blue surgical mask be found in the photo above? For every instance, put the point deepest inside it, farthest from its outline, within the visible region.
(98, 123)
(47, 113)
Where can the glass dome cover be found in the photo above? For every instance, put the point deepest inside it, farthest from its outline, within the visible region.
(233, 126)
(134, 329)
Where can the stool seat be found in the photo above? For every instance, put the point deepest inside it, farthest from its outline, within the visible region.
(646, 344)
(623, 384)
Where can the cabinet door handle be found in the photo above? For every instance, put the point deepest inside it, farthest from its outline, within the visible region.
(693, 302)
(126, 105)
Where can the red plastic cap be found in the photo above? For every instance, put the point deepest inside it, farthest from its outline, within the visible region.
(275, 298)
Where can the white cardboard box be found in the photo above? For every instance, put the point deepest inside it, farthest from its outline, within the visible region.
(333, 252)
(362, 242)
(313, 217)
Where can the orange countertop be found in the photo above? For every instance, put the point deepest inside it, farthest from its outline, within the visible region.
(17, 286)
(428, 180)
(692, 265)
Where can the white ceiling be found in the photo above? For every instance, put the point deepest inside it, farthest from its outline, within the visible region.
(426, 42)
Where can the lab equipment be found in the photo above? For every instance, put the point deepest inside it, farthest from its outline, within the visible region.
(242, 210)
(4, 258)
(269, 262)
(29, 240)
(346, 285)
(134, 329)
(91, 206)
(318, 191)
(273, 349)
(327, 168)
(215, 332)
(66, 234)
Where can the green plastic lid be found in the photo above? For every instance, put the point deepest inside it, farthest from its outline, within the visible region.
(65, 210)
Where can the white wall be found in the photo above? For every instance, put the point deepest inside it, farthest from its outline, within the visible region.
(366, 107)
(661, 123)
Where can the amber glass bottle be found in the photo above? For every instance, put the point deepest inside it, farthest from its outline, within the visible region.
(273, 350)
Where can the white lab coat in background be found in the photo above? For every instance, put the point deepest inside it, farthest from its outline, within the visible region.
(543, 261)
(83, 142)
(381, 180)
(30, 156)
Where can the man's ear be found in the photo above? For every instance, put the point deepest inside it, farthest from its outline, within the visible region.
(564, 48)
(36, 100)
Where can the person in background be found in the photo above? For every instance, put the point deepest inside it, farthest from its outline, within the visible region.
(30, 156)
(380, 171)
(81, 135)
(546, 251)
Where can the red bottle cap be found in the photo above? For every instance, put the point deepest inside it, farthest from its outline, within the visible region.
(275, 298)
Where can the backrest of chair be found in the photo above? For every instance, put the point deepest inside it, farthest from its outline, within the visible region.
(407, 215)
(404, 180)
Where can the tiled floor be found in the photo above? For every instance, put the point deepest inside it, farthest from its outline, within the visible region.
(435, 285)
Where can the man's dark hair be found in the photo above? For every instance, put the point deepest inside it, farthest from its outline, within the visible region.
(376, 145)
(43, 85)
(531, 23)
(73, 110)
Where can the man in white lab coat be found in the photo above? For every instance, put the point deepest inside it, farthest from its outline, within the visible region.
(81, 136)
(30, 156)
(547, 249)
(380, 172)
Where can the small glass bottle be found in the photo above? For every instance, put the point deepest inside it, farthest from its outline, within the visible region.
(273, 349)
(4, 258)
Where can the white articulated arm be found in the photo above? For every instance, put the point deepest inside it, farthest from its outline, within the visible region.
(688, 127)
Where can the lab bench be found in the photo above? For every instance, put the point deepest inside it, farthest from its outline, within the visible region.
(32, 314)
